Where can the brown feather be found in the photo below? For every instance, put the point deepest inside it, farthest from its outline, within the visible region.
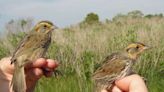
(33, 46)
(116, 66)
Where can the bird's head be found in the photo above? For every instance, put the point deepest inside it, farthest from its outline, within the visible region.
(135, 49)
(44, 27)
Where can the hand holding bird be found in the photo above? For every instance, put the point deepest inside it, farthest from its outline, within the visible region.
(117, 66)
(34, 72)
(33, 46)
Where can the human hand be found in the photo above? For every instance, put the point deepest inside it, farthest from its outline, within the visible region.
(132, 83)
(34, 72)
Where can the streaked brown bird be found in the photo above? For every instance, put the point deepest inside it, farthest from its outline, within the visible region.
(33, 46)
(117, 66)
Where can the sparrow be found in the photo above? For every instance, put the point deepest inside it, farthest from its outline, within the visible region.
(33, 46)
(116, 66)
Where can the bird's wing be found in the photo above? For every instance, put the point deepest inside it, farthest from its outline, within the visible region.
(111, 57)
(21, 47)
(111, 67)
(21, 44)
(106, 60)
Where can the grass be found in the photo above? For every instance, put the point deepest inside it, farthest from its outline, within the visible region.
(80, 48)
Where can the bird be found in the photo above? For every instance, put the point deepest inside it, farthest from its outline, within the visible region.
(116, 66)
(33, 46)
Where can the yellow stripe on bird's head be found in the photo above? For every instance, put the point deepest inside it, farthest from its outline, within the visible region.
(44, 26)
(135, 49)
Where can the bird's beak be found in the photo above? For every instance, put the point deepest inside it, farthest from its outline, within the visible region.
(54, 27)
(146, 47)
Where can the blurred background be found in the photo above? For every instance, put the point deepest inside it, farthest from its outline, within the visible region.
(89, 30)
(66, 12)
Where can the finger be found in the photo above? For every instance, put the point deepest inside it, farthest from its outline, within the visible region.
(37, 73)
(138, 85)
(5, 65)
(129, 83)
(116, 89)
(49, 68)
(37, 64)
(34, 74)
(52, 64)
(124, 83)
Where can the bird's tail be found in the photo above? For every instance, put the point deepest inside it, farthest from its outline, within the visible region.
(18, 81)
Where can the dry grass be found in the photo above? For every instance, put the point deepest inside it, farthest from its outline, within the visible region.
(79, 48)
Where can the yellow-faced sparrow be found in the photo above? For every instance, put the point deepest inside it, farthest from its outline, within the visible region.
(33, 46)
(117, 66)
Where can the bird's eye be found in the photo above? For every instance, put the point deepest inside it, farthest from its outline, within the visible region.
(137, 47)
(45, 26)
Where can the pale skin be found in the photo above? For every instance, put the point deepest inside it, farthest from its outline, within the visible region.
(132, 83)
(34, 72)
